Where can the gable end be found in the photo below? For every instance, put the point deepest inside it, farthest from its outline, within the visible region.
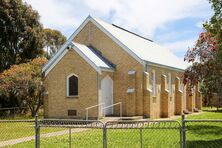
(54, 60)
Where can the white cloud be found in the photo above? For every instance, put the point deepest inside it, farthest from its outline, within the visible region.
(144, 16)
(173, 35)
(180, 46)
(54, 14)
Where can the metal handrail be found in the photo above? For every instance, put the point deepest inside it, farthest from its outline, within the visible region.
(119, 103)
(87, 109)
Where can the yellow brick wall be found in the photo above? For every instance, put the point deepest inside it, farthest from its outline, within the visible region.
(142, 102)
(57, 103)
(178, 97)
(165, 99)
(184, 98)
(156, 100)
(91, 35)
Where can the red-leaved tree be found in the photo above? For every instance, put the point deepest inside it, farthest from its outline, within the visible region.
(205, 69)
(206, 57)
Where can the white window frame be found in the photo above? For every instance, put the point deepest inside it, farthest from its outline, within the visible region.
(181, 87)
(170, 83)
(153, 78)
(67, 84)
(147, 81)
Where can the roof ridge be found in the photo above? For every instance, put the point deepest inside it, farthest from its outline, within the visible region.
(132, 33)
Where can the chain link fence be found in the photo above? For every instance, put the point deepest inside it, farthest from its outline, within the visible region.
(71, 133)
(143, 133)
(203, 133)
(17, 133)
(121, 134)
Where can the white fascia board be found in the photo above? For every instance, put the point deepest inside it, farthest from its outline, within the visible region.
(86, 58)
(164, 66)
(117, 41)
(80, 53)
(65, 45)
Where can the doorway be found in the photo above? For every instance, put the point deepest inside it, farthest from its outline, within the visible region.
(107, 94)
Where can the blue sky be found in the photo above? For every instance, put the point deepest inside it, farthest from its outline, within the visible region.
(171, 23)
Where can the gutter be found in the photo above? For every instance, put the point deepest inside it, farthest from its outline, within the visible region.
(164, 66)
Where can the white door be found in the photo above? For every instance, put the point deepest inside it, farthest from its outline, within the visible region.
(107, 94)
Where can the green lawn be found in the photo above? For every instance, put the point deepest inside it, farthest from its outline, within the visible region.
(199, 135)
(205, 134)
(116, 138)
(13, 130)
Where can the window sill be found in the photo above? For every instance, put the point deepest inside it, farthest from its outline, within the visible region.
(72, 97)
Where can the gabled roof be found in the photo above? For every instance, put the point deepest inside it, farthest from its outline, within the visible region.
(93, 59)
(143, 50)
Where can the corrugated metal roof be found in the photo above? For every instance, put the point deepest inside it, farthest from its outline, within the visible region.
(143, 48)
(92, 56)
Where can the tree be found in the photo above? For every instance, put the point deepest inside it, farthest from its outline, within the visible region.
(206, 56)
(53, 39)
(21, 33)
(25, 83)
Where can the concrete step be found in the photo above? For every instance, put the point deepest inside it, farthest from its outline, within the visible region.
(132, 118)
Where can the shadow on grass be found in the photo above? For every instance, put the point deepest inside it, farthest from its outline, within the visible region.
(213, 110)
(217, 143)
(215, 130)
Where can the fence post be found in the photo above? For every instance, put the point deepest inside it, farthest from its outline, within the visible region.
(141, 138)
(183, 131)
(104, 137)
(37, 132)
(70, 137)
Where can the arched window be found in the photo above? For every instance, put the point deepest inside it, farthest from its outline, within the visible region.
(72, 85)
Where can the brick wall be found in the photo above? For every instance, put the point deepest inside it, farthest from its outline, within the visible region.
(178, 97)
(91, 35)
(140, 102)
(56, 103)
